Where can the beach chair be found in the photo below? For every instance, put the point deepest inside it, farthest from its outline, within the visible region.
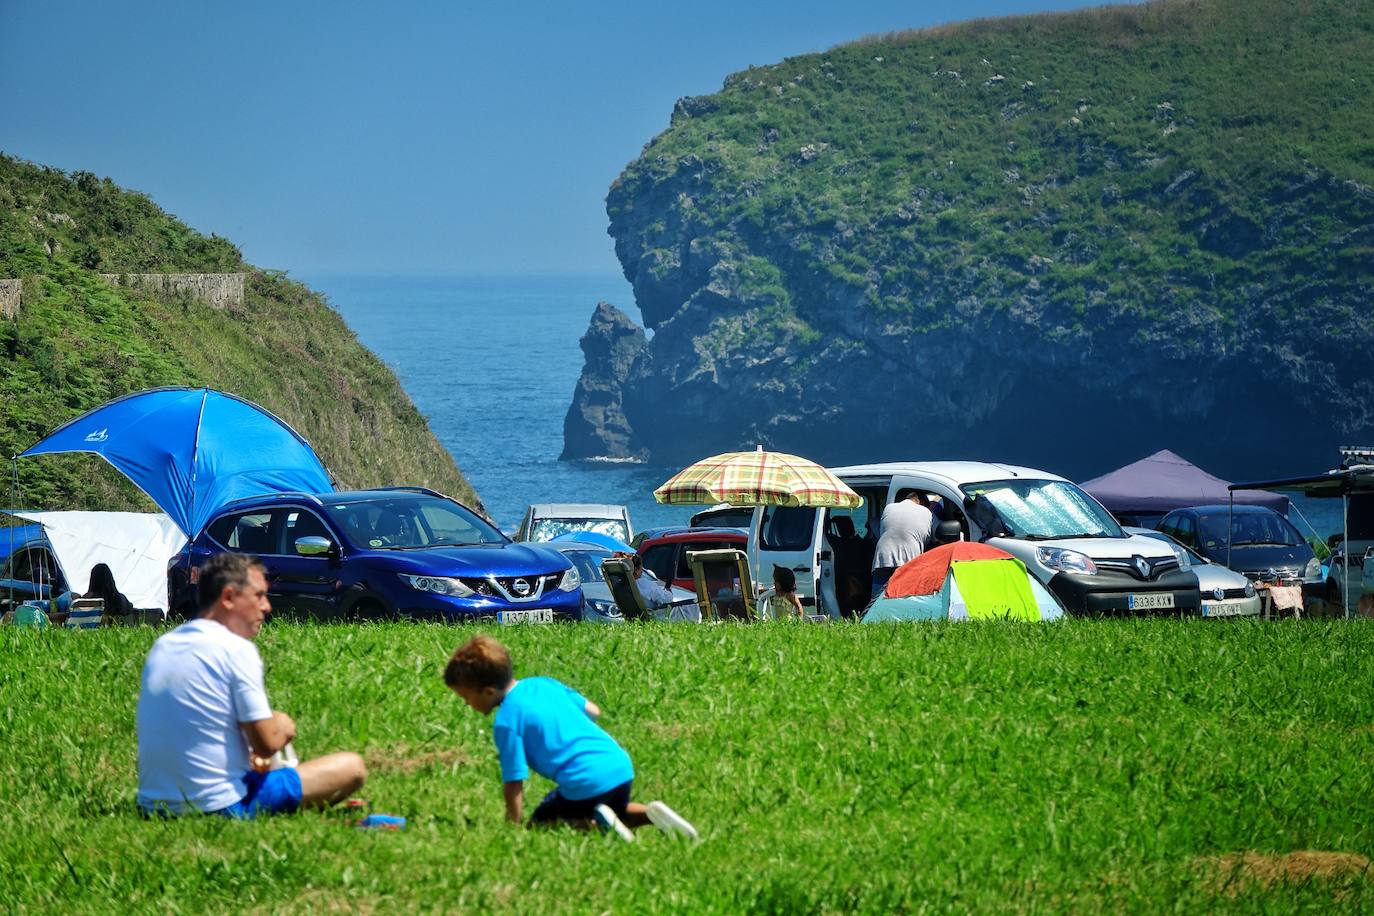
(85, 613)
(619, 575)
(724, 588)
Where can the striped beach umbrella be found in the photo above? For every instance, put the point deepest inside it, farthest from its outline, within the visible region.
(757, 478)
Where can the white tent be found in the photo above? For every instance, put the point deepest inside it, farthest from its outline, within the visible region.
(137, 547)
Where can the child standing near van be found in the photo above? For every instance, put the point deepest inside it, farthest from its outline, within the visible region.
(544, 725)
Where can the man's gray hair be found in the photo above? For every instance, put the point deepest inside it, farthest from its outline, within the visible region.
(223, 569)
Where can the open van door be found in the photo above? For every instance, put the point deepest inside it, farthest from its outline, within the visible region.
(794, 537)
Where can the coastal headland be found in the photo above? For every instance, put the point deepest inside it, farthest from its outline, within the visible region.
(1060, 239)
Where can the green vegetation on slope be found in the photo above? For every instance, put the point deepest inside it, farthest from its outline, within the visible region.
(1139, 765)
(79, 341)
(1118, 158)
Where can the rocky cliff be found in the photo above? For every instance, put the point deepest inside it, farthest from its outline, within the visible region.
(1062, 240)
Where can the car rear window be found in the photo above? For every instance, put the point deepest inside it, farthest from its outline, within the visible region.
(684, 570)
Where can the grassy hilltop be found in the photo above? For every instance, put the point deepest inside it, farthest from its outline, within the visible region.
(79, 341)
(1156, 215)
(992, 139)
(1145, 766)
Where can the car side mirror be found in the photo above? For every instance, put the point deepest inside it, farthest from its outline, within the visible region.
(949, 531)
(314, 546)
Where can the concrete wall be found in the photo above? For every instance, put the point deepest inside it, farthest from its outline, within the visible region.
(217, 290)
(11, 295)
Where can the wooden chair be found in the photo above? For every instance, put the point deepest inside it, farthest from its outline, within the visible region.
(724, 588)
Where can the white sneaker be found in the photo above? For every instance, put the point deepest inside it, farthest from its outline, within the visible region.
(605, 819)
(669, 821)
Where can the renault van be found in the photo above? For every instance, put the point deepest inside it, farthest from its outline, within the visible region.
(1064, 536)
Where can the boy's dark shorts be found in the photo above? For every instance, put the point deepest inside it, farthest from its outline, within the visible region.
(555, 807)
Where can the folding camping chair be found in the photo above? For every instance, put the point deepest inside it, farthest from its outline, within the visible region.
(85, 613)
(619, 575)
(724, 589)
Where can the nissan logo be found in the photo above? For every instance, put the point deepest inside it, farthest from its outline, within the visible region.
(520, 587)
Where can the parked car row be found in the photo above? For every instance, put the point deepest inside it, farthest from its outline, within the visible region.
(414, 553)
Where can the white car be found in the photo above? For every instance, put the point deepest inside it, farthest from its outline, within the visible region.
(1225, 592)
(546, 521)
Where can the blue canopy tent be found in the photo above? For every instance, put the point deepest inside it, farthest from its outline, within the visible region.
(192, 450)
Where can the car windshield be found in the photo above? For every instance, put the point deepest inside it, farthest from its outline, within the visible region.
(1040, 509)
(1250, 529)
(588, 563)
(409, 521)
(546, 529)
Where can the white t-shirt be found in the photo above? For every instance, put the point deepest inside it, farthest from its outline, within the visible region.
(906, 526)
(199, 682)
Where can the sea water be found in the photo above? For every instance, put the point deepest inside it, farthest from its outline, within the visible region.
(492, 361)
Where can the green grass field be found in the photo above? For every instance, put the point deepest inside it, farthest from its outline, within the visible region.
(1136, 765)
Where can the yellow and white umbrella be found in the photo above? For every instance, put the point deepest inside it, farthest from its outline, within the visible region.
(757, 478)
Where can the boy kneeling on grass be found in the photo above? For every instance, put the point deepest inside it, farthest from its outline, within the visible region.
(546, 725)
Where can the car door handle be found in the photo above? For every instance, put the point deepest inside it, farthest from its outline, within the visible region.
(801, 568)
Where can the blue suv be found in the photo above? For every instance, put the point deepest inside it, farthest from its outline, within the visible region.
(396, 552)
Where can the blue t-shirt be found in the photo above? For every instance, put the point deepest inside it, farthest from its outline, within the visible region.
(543, 724)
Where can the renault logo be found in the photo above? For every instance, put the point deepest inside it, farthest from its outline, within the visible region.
(1142, 566)
(520, 587)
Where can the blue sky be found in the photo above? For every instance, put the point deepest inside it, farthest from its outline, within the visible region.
(436, 137)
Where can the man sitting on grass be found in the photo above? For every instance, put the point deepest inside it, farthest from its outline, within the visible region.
(206, 733)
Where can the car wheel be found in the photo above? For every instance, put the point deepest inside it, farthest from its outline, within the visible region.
(1333, 593)
(370, 609)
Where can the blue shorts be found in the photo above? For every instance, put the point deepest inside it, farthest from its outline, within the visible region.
(274, 792)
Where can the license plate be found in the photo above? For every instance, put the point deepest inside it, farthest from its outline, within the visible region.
(534, 615)
(1222, 610)
(1149, 602)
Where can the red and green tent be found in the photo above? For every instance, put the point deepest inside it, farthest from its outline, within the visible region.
(964, 581)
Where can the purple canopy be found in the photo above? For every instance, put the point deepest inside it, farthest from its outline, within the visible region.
(1164, 482)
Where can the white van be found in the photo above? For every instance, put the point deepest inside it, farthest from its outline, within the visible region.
(1064, 536)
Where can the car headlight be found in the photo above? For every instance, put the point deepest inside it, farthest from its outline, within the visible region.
(1249, 589)
(570, 580)
(439, 585)
(1313, 571)
(1069, 561)
(1184, 561)
(604, 608)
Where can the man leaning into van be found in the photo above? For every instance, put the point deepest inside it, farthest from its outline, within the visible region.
(905, 528)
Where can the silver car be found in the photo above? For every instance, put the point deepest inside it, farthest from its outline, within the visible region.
(1225, 593)
(598, 605)
(546, 521)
